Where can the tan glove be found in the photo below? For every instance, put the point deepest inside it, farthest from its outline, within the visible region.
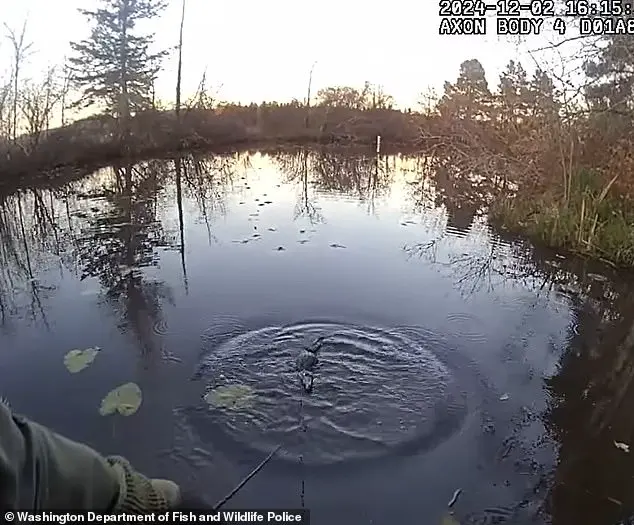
(170, 491)
(138, 494)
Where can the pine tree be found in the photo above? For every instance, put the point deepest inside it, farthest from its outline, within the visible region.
(513, 91)
(612, 75)
(114, 67)
(541, 96)
(469, 97)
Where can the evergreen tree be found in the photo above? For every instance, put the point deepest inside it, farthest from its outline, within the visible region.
(612, 75)
(541, 96)
(513, 91)
(469, 97)
(114, 66)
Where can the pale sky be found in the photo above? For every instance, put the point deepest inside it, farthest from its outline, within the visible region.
(254, 50)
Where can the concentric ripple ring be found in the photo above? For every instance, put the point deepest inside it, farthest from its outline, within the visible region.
(376, 392)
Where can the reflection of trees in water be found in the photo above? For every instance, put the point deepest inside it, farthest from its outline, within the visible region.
(26, 238)
(450, 182)
(362, 176)
(208, 180)
(591, 409)
(107, 227)
(591, 395)
(478, 262)
(297, 167)
(123, 238)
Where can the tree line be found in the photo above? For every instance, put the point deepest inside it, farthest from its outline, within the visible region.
(113, 71)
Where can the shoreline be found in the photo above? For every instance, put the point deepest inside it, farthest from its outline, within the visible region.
(591, 222)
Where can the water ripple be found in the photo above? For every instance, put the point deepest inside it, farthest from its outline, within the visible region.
(376, 391)
(466, 327)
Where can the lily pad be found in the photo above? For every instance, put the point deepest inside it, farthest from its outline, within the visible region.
(125, 399)
(231, 397)
(77, 360)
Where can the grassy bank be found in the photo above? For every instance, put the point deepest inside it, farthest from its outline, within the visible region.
(593, 220)
(95, 141)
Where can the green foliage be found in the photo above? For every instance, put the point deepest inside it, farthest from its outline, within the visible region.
(469, 96)
(590, 222)
(612, 74)
(76, 360)
(518, 102)
(513, 93)
(114, 66)
(125, 399)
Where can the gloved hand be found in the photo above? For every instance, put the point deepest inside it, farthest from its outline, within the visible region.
(138, 494)
(170, 491)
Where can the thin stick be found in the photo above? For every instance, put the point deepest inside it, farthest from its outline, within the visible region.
(454, 498)
(246, 479)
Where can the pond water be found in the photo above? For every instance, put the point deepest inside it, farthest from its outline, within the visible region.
(448, 357)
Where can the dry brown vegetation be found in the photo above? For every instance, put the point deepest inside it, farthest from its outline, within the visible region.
(97, 141)
(560, 171)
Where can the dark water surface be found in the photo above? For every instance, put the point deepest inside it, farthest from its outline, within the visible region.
(448, 357)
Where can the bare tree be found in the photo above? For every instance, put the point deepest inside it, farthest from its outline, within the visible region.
(65, 88)
(5, 112)
(37, 103)
(310, 84)
(203, 98)
(20, 51)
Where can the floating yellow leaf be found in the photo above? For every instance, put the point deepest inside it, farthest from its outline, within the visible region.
(448, 519)
(77, 360)
(125, 399)
(622, 446)
(232, 397)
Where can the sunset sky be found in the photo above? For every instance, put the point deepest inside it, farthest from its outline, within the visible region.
(255, 51)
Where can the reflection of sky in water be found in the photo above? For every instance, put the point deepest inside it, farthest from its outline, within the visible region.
(374, 250)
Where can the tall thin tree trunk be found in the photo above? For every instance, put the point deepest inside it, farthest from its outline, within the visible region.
(124, 102)
(310, 83)
(63, 101)
(180, 65)
(15, 97)
(20, 50)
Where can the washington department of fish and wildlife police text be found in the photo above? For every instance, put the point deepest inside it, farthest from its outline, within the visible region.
(534, 17)
(241, 517)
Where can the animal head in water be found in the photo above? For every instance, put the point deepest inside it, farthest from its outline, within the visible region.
(316, 344)
(306, 360)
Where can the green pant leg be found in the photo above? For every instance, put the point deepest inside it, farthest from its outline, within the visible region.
(41, 470)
